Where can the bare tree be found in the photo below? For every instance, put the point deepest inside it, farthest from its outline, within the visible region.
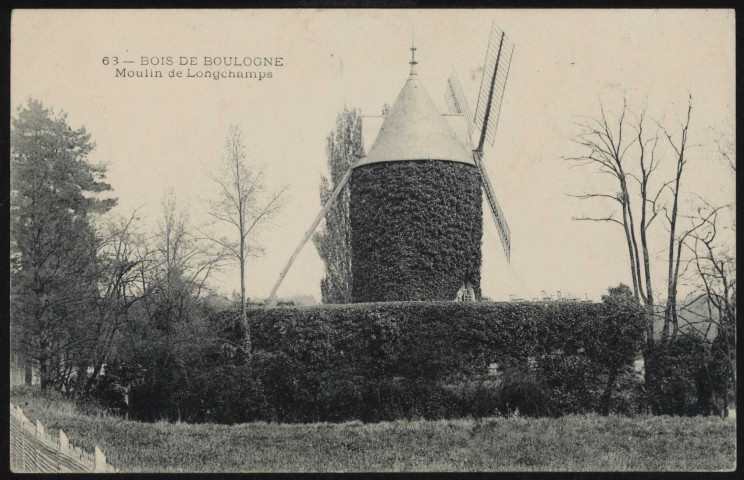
(710, 308)
(185, 263)
(726, 150)
(160, 332)
(124, 259)
(622, 149)
(675, 244)
(246, 204)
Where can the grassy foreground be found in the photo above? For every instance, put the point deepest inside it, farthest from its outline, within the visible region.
(572, 443)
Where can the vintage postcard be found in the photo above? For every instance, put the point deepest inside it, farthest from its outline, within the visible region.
(372, 240)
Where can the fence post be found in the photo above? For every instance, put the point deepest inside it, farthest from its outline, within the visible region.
(64, 446)
(14, 439)
(64, 442)
(100, 461)
(39, 440)
(22, 452)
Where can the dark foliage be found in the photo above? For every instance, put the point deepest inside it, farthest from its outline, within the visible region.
(54, 194)
(521, 392)
(618, 339)
(333, 240)
(569, 384)
(676, 376)
(221, 393)
(416, 230)
(720, 369)
(387, 361)
(431, 359)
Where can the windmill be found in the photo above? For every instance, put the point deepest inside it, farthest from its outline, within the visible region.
(486, 118)
(427, 163)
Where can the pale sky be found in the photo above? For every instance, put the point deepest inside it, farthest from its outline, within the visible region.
(157, 133)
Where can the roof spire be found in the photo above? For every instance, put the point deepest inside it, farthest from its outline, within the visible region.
(413, 61)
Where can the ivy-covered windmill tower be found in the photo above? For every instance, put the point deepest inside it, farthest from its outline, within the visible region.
(416, 216)
(415, 204)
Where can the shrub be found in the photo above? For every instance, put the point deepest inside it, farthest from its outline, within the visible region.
(630, 397)
(422, 339)
(569, 383)
(676, 377)
(720, 371)
(521, 392)
(618, 338)
(108, 389)
(242, 401)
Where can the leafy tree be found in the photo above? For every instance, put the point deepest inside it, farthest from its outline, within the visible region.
(54, 196)
(333, 241)
(619, 337)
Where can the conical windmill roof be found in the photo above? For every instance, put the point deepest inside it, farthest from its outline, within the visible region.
(413, 129)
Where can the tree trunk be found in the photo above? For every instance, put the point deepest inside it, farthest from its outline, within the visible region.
(81, 380)
(667, 316)
(671, 308)
(44, 379)
(609, 389)
(647, 275)
(632, 235)
(29, 374)
(92, 379)
(630, 253)
(243, 310)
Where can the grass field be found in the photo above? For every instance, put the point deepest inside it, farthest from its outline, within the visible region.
(573, 443)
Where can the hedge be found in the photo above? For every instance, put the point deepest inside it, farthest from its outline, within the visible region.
(405, 359)
(416, 230)
(386, 361)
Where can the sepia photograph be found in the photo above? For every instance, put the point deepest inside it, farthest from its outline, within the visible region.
(385, 240)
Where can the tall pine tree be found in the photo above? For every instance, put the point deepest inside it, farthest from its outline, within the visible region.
(54, 193)
(333, 240)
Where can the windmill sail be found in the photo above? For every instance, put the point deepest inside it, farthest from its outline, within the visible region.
(456, 101)
(493, 83)
(496, 212)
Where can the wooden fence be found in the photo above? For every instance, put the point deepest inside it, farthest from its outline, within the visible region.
(32, 450)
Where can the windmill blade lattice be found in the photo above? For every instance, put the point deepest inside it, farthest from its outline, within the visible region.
(493, 83)
(498, 215)
(456, 101)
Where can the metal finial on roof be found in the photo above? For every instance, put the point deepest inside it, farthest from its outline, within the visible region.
(413, 61)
